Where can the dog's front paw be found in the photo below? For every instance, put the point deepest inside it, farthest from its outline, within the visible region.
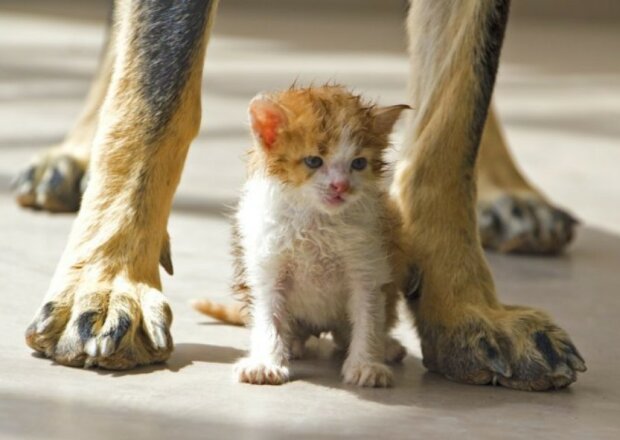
(517, 347)
(259, 372)
(110, 324)
(367, 374)
(52, 182)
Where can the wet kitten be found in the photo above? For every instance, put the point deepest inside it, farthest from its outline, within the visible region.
(316, 236)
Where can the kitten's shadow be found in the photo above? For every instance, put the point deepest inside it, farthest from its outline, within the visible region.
(186, 354)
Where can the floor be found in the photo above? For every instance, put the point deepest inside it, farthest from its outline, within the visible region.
(559, 95)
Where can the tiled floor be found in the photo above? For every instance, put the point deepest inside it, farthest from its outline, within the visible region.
(559, 94)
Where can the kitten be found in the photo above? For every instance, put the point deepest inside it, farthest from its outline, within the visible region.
(316, 238)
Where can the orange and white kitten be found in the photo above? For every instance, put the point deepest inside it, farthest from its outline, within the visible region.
(316, 238)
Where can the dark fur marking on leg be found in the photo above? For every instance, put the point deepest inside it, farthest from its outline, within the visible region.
(85, 325)
(120, 329)
(544, 345)
(167, 41)
(486, 61)
(169, 34)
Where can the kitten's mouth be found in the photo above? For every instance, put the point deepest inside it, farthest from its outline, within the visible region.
(334, 200)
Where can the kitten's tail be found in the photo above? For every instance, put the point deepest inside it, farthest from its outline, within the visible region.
(235, 314)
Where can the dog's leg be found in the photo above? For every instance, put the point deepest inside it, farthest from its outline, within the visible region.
(466, 333)
(513, 215)
(55, 179)
(104, 306)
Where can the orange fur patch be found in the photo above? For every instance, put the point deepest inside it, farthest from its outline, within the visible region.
(301, 122)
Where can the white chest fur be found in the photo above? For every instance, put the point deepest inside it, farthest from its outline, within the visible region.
(312, 258)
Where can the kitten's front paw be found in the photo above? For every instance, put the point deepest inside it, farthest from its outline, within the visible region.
(367, 374)
(256, 372)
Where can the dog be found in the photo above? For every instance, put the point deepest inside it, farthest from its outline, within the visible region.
(455, 184)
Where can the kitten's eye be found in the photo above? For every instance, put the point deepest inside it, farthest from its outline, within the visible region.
(359, 163)
(313, 162)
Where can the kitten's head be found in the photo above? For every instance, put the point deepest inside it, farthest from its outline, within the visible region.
(324, 142)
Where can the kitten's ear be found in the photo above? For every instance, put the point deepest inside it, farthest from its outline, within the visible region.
(267, 119)
(386, 117)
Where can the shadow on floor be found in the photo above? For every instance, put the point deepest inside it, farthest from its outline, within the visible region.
(184, 355)
(415, 387)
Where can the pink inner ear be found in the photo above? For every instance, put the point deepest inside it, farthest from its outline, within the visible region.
(267, 118)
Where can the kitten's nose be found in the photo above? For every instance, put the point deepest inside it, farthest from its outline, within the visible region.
(340, 186)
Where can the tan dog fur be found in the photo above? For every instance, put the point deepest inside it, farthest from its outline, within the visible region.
(435, 187)
(110, 265)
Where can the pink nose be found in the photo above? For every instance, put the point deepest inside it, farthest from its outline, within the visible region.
(340, 186)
